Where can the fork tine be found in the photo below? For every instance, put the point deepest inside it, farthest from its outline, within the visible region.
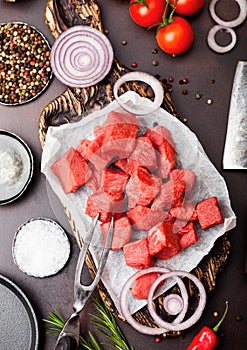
(83, 292)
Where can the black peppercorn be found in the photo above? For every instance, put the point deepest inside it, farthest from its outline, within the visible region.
(22, 50)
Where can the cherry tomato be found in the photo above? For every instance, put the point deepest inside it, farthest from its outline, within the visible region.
(188, 7)
(147, 13)
(175, 38)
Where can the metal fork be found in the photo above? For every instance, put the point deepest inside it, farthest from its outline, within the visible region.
(68, 338)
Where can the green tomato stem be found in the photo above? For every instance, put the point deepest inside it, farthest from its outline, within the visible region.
(217, 326)
(142, 2)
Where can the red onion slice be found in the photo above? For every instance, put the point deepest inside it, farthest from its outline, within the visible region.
(176, 324)
(173, 304)
(148, 79)
(212, 42)
(81, 56)
(230, 24)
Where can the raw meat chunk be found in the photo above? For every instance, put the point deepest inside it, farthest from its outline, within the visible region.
(161, 236)
(142, 187)
(94, 153)
(144, 155)
(137, 255)
(142, 285)
(123, 164)
(209, 213)
(72, 170)
(121, 233)
(100, 202)
(163, 143)
(120, 135)
(113, 183)
(171, 195)
(95, 180)
(187, 236)
(144, 218)
(186, 212)
(188, 176)
(82, 148)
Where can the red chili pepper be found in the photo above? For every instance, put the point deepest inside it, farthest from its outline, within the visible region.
(207, 338)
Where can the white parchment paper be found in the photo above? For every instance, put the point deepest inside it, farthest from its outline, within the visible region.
(190, 155)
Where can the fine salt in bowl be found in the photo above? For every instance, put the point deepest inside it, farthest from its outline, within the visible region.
(16, 166)
(41, 247)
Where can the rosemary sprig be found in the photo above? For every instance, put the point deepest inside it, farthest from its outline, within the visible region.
(108, 327)
(104, 321)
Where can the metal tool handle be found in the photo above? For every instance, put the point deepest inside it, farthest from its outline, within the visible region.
(66, 342)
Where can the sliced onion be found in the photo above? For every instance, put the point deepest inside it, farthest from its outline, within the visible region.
(179, 326)
(176, 324)
(173, 304)
(81, 56)
(230, 24)
(148, 79)
(212, 42)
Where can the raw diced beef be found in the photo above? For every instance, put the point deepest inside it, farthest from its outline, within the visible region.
(144, 218)
(144, 155)
(137, 255)
(209, 213)
(100, 202)
(120, 135)
(186, 212)
(172, 247)
(121, 233)
(188, 176)
(166, 154)
(187, 236)
(113, 183)
(82, 148)
(158, 135)
(160, 237)
(142, 285)
(94, 153)
(95, 181)
(142, 187)
(123, 164)
(171, 195)
(72, 170)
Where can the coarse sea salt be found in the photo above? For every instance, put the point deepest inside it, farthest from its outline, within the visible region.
(41, 247)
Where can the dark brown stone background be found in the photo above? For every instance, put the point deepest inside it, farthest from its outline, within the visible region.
(209, 122)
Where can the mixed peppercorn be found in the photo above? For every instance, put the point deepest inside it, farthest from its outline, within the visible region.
(24, 63)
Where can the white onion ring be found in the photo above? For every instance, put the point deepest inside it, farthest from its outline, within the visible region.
(171, 298)
(230, 24)
(212, 42)
(146, 78)
(176, 325)
(81, 56)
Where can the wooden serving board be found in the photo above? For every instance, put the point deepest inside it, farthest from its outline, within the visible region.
(76, 103)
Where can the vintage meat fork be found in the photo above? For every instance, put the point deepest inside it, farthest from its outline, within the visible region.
(68, 338)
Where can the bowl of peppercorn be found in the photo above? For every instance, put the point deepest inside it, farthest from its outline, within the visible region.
(24, 63)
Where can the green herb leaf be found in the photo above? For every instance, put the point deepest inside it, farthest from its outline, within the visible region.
(104, 321)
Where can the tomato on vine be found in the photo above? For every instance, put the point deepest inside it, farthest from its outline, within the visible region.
(147, 13)
(188, 7)
(175, 36)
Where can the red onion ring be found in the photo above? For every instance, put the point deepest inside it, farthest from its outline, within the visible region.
(173, 304)
(212, 43)
(230, 24)
(146, 78)
(81, 56)
(177, 324)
